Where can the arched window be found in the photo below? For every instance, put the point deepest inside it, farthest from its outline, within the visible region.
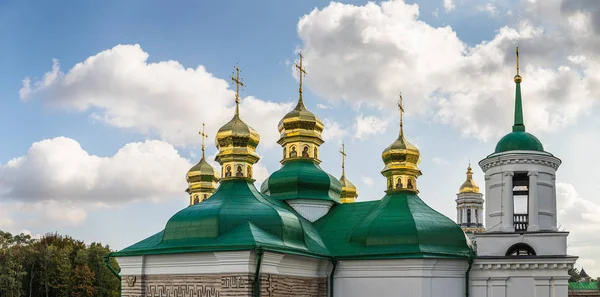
(468, 216)
(520, 249)
(476, 216)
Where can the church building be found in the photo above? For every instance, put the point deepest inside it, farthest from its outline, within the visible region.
(305, 234)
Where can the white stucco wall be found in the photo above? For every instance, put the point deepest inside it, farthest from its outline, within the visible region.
(310, 209)
(520, 277)
(410, 277)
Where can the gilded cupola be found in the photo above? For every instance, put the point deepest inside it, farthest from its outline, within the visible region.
(349, 192)
(401, 160)
(469, 186)
(300, 129)
(202, 178)
(237, 142)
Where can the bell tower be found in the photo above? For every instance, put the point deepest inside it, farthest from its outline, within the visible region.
(469, 205)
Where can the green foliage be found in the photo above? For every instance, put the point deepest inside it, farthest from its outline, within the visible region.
(574, 275)
(54, 265)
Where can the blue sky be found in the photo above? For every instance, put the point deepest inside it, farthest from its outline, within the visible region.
(101, 155)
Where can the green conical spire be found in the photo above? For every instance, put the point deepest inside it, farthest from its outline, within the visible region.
(518, 126)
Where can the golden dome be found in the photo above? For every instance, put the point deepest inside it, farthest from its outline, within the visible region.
(300, 121)
(202, 178)
(401, 161)
(201, 171)
(300, 130)
(469, 186)
(237, 143)
(349, 192)
(236, 133)
(401, 152)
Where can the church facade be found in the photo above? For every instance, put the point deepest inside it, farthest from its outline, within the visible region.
(304, 234)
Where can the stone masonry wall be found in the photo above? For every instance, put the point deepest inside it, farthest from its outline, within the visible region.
(221, 285)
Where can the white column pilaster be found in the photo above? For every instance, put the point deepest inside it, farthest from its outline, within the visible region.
(508, 202)
(533, 202)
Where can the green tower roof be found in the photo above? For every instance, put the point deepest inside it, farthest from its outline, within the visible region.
(400, 225)
(235, 217)
(518, 139)
(302, 179)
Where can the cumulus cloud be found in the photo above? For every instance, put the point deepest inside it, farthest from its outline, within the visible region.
(368, 125)
(579, 216)
(333, 130)
(449, 5)
(489, 8)
(62, 170)
(120, 87)
(367, 181)
(368, 54)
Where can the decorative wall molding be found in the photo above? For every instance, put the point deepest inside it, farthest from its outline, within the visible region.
(520, 158)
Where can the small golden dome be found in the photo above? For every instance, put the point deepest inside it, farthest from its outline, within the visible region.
(402, 152)
(401, 161)
(469, 186)
(237, 138)
(300, 121)
(349, 191)
(237, 143)
(201, 172)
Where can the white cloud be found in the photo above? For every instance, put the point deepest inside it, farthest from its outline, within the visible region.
(6, 222)
(580, 217)
(449, 5)
(489, 8)
(118, 86)
(62, 170)
(323, 106)
(367, 181)
(368, 54)
(369, 125)
(333, 130)
(440, 161)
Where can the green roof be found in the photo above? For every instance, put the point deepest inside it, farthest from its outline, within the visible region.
(583, 286)
(235, 217)
(302, 179)
(400, 225)
(518, 139)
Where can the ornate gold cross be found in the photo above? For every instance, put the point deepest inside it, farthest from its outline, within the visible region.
(301, 71)
(238, 82)
(204, 135)
(401, 107)
(343, 152)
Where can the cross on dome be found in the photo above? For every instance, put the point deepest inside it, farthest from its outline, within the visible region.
(204, 135)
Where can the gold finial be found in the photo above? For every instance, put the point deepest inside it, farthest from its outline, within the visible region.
(518, 78)
(204, 135)
(301, 72)
(401, 107)
(238, 82)
(343, 152)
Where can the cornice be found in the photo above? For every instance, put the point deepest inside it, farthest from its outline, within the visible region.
(519, 158)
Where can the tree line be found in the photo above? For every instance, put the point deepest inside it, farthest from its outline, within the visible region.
(54, 266)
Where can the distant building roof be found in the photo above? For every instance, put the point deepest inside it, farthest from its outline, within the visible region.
(583, 286)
